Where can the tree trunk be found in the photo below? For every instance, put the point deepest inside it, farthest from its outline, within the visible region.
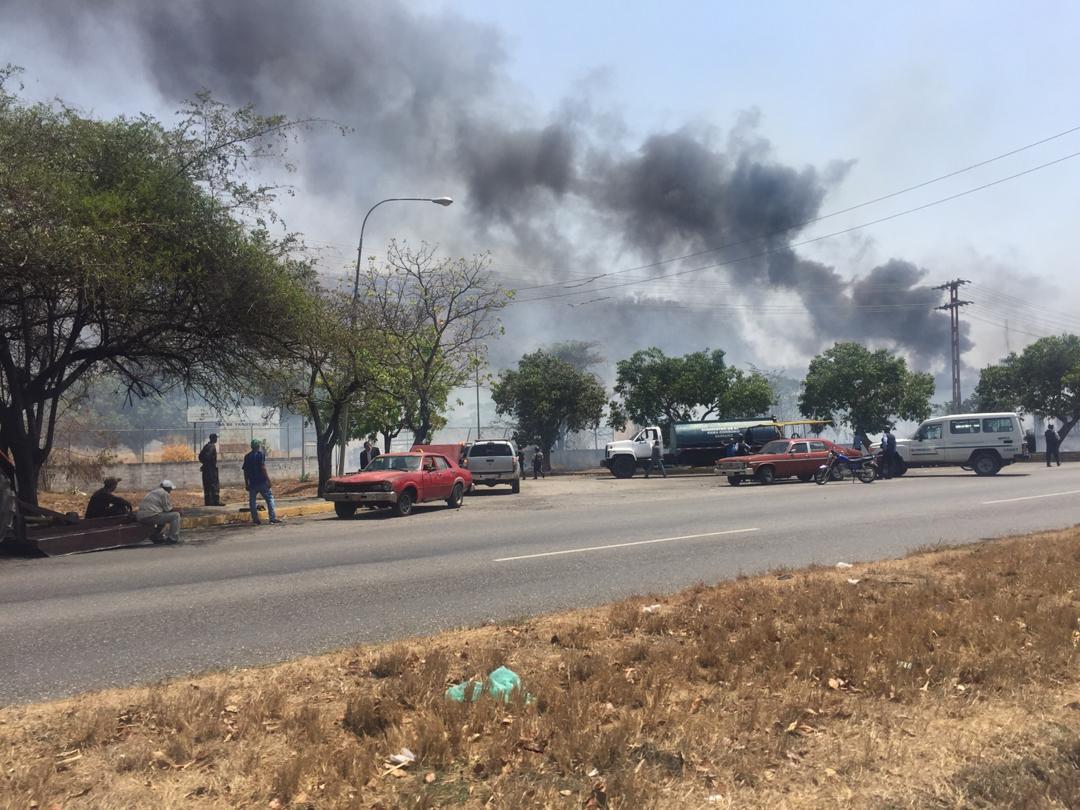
(324, 454)
(422, 434)
(25, 453)
(325, 439)
(1066, 426)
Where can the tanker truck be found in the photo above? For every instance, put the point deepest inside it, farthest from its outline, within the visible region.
(690, 444)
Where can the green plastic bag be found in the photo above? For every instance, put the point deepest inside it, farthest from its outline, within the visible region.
(500, 683)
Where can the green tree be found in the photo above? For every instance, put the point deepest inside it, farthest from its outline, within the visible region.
(1044, 379)
(864, 390)
(547, 397)
(438, 314)
(136, 248)
(338, 359)
(581, 354)
(654, 389)
(380, 411)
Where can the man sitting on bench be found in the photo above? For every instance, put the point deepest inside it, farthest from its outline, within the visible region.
(104, 503)
(157, 510)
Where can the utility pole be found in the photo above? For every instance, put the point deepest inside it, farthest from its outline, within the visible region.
(954, 332)
(477, 396)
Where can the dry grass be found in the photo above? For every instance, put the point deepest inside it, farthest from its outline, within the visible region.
(181, 498)
(944, 680)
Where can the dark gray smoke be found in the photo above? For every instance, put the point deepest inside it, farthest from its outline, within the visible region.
(677, 192)
(428, 98)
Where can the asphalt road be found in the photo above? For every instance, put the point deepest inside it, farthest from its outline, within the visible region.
(240, 596)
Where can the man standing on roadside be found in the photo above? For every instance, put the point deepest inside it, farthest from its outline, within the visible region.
(257, 482)
(656, 460)
(1053, 444)
(538, 463)
(211, 483)
(365, 455)
(888, 453)
(157, 510)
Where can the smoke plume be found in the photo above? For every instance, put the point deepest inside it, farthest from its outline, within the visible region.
(560, 194)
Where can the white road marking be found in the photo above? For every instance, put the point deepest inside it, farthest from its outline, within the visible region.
(1033, 497)
(625, 545)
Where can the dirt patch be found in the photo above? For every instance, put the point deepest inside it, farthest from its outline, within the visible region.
(947, 679)
(181, 498)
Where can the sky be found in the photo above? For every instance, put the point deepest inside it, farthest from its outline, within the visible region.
(582, 140)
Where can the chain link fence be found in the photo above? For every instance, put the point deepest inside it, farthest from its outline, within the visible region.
(182, 443)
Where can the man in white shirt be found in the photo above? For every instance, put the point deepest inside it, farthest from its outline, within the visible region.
(157, 510)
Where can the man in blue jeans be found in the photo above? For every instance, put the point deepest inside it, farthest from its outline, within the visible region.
(257, 482)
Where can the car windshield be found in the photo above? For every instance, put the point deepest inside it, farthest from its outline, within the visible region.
(774, 447)
(490, 449)
(394, 463)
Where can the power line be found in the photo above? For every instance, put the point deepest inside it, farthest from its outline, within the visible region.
(589, 278)
(770, 251)
(1024, 319)
(999, 324)
(1014, 302)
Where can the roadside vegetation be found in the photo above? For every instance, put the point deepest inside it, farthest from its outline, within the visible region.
(944, 680)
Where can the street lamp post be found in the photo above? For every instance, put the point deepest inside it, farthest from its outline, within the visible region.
(443, 201)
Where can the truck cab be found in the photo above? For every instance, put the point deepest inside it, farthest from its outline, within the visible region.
(623, 457)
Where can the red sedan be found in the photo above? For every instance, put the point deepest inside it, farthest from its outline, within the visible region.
(782, 458)
(397, 481)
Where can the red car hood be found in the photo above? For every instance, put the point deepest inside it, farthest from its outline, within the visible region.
(373, 477)
(763, 457)
(757, 458)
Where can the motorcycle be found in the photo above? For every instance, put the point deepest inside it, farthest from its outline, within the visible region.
(839, 466)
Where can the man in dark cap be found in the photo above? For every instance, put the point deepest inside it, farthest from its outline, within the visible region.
(105, 503)
(211, 484)
(1053, 445)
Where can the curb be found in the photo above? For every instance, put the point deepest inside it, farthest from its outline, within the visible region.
(235, 517)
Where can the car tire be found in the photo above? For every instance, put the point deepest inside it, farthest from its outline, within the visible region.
(806, 478)
(344, 509)
(516, 486)
(623, 467)
(899, 467)
(766, 475)
(985, 464)
(456, 497)
(404, 504)
(734, 480)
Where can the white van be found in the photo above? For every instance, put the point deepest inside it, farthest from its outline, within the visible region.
(983, 442)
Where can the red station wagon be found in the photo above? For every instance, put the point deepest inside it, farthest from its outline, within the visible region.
(397, 481)
(782, 458)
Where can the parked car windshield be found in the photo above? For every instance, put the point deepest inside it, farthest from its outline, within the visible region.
(394, 463)
(490, 449)
(774, 447)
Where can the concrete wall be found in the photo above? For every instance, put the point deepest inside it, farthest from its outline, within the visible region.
(186, 474)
